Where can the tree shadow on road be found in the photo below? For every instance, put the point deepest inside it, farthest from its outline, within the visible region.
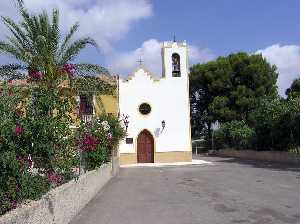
(255, 163)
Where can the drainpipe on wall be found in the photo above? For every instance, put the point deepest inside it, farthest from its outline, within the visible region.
(94, 104)
(118, 95)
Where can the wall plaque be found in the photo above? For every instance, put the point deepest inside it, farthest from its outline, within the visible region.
(129, 140)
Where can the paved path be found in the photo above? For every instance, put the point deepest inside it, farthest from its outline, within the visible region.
(230, 191)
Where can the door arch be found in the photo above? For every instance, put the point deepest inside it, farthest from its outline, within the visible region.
(145, 147)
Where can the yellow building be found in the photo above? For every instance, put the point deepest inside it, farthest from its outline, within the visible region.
(95, 95)
(92, 102)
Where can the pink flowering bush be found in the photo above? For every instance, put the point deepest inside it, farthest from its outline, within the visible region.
(37, 149)
(18, 130)
(97, 139)
(55, 179)
(88, 143)
(35, 75)
(69, 69)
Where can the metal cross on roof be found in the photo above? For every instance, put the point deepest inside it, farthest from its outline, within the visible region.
(140, 61)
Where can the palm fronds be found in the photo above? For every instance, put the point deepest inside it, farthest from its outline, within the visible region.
(89, 70)
(91, 84)
(12, 71)
(19, 3)
(36, 42)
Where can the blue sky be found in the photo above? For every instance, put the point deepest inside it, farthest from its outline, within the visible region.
(223, 26)
(129, 29)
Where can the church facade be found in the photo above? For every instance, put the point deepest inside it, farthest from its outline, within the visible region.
(156, 111)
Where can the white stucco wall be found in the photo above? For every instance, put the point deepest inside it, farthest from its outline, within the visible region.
(169, 100)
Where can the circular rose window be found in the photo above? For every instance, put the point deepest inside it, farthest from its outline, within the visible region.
(145, 108)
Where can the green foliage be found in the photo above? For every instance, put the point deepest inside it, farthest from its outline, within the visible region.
(236, 134)
(10, 172)
(32, 135)
(35, 123)
(9, 149)
(33, 186)
(273, 125)
(116, 129)
(94, 159)
(6, 203)
(277, 124)
(294, 90)
(239, 91)
(90, 84)
(229, 88)
(37, 147)
(97, 140)
(36, 43)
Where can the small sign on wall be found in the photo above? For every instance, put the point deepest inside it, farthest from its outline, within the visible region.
(129, 140)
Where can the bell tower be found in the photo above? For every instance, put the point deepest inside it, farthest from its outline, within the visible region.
(175, 60)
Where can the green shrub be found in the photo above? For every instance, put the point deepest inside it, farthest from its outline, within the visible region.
(94, 159)
(5, 203)
(29, 137)
(277, 124)
(38, 150)
(97, 140)
(236, 134)
(33, 186)
(37, 146)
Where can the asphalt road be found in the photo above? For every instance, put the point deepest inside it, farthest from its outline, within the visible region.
(229, 191)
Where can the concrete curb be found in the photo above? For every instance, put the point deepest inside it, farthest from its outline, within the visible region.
(61, 204)
(193, 162)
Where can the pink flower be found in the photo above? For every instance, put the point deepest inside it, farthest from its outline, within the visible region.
(54, 178)
(89, 143)
(35, 75)
(70, 69)
(13, 205)
(109, 135)
(18, 130)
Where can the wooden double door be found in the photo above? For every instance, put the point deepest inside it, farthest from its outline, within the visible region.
(145, 147)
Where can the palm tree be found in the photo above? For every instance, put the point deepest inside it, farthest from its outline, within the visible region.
(20, 2)
(36, 43)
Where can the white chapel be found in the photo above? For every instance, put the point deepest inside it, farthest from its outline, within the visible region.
(156, 111)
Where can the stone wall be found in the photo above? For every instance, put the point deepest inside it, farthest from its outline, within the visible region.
(271, 156)
(60, 205)
(115, 165)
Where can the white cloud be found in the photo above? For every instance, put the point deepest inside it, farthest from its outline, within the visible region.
(106, 21)
(287, 60)
(197, 55)
(124, 63)
(150, 52)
